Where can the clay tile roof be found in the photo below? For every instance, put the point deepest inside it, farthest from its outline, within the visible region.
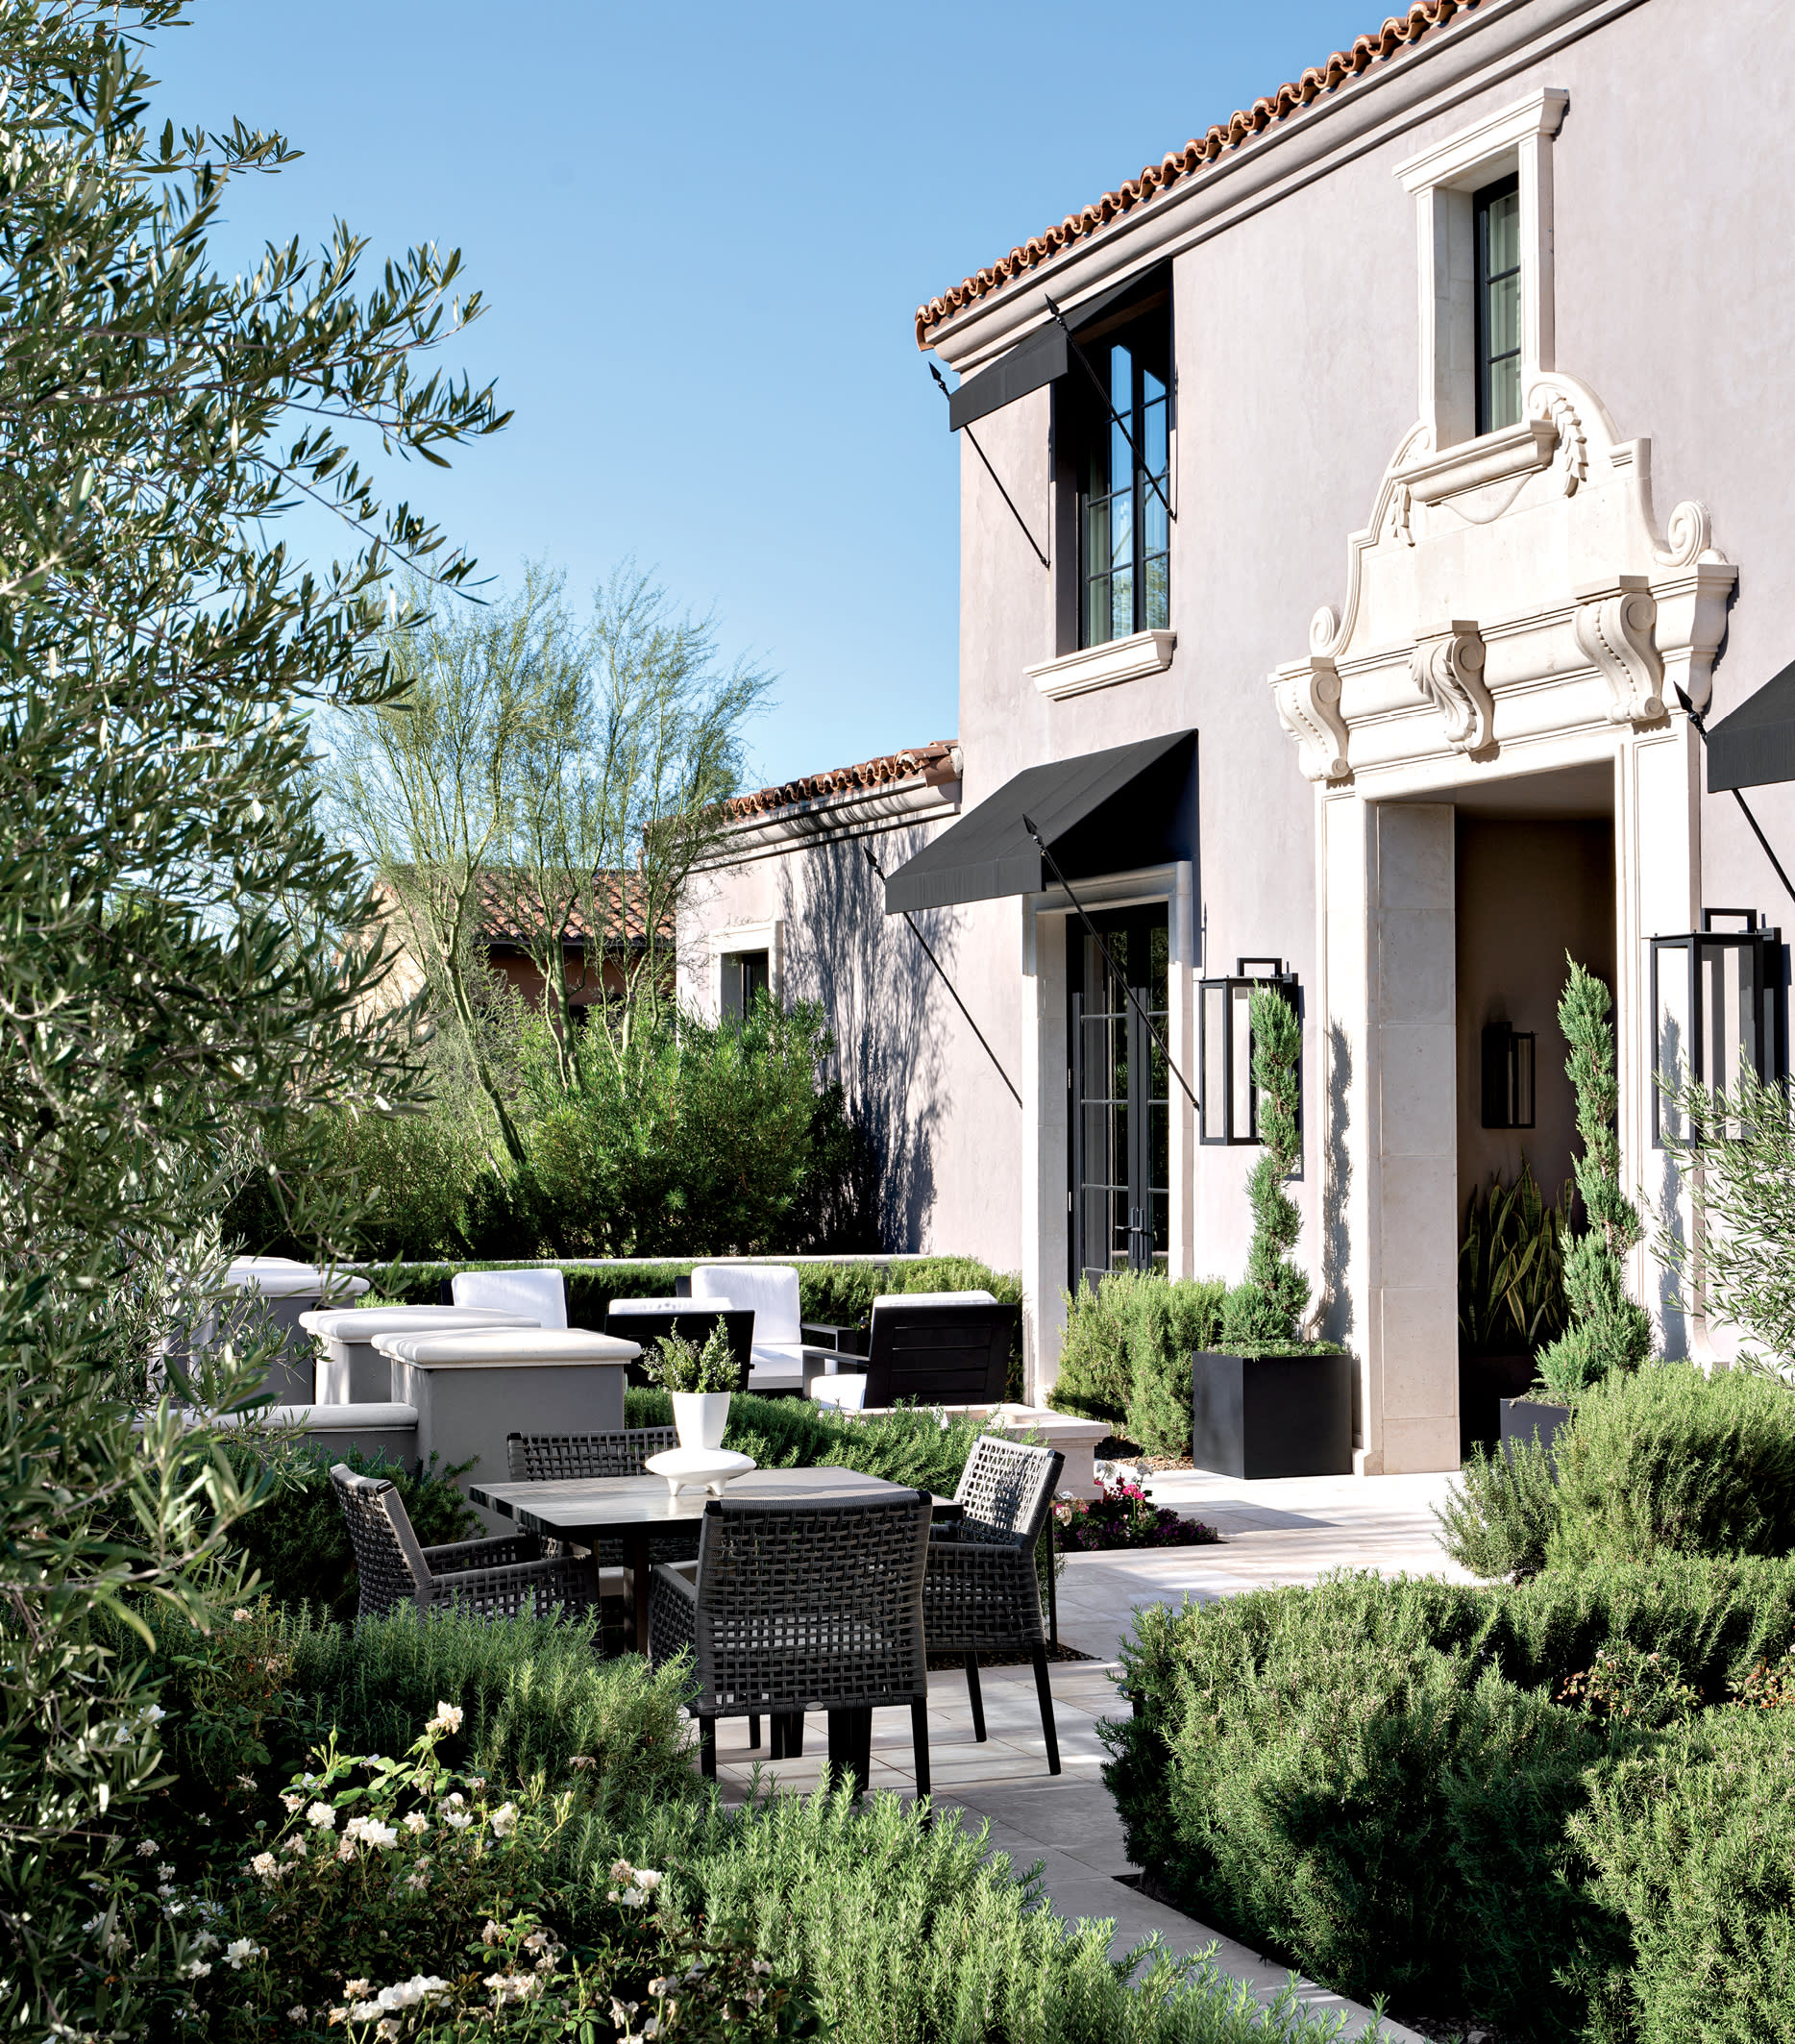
(1345, 66)
(930, 763)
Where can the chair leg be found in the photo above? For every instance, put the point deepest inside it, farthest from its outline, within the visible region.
(1047, 1730)
(753, 1730)
(707, 1747)
(976, 1697)
(918, 1742)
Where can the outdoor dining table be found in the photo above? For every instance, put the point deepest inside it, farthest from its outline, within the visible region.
(586, 1510)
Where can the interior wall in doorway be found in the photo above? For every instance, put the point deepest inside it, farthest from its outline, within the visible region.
(1529, 891)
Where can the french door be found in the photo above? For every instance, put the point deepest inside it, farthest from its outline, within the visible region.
(1120, 1117)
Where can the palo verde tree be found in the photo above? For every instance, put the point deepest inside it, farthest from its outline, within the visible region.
(1263, 1310)
(173, 990)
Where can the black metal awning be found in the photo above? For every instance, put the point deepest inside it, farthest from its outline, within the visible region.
(1043, 357)
(1102, 812)
(1754, 744)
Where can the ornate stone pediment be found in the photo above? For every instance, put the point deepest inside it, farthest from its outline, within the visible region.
(1510, 590)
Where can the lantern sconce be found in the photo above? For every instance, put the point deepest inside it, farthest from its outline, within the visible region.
(1508, 1077)
(1718, 1008)
(1230, 1108)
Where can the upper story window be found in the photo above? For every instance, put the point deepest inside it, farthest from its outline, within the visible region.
(1497, 213)
(1125, 481)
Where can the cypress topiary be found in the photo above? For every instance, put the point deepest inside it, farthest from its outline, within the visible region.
(1263, 1311)
(1608, 1330)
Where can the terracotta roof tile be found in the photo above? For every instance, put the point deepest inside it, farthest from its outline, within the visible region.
(930, 763)
(1345, 66)
(500, 893)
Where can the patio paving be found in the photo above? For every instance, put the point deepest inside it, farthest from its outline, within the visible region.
(1285, 1532)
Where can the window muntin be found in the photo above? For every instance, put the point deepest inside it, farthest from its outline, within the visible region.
(1121, 1097)
(1497, 214)
(1124, 484)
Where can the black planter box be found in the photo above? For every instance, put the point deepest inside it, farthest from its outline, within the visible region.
(1484, 1382)
(1255, 1416)
(1524, 1417)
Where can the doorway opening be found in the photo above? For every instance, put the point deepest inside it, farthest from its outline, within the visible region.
(1120, 1105)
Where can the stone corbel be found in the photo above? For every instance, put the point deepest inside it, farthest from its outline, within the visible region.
(1448, 670)
(1691, 585)
(1613, 623)
(1308, 694)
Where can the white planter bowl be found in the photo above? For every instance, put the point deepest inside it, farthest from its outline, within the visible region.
(701, 1417)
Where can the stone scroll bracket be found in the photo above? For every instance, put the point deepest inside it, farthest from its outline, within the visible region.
(1308, 695)
(1615, 623)
(1448, 669)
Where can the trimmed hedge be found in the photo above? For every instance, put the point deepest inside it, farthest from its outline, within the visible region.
(1126, 1354)
(1386, 1781)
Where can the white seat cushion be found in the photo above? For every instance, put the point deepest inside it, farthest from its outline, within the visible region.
(933, 1298)
(847, 1393)
(540, 1293)
(670, 1305)
(364, 1324)
(770, 1289)
(778, 1365)
(498, 1346)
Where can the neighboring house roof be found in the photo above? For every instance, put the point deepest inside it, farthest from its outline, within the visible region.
(499, 893)
(930, 763)
(1342, 68)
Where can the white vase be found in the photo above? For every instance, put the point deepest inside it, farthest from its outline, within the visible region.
(701, 1417)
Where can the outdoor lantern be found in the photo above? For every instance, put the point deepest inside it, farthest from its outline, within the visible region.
(1230, 1109)
(1508, 1077)
(1717, 1008)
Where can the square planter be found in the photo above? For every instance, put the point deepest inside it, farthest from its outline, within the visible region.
(1524, 1418)
(1255, 1416)
(1484, 1382)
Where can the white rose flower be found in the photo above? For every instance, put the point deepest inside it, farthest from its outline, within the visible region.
(148, 1849)
(240, 1616)
(458, 1820)
(649, 1879)
(266, 1865)
(291, 1803)
(447, 1719)
(166, 1871)
(240, 1951)
(417, 1823)
(504, 1820)
(364, 2012)
(196, 1969)
(322, 1817)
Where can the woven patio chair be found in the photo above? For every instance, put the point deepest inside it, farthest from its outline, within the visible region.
(802, 1607)
(563, 1457)
(982, 1593)
(496, 1579)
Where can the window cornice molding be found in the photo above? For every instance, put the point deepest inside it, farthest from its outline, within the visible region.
(1461, 155)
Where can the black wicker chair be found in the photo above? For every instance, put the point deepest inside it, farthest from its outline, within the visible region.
(982, 1592)
(496, 1579)
(802, 1607)
(563, 1457)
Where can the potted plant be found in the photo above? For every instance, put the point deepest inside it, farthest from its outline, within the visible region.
(699, 1381)
(1608, 1330)
(1268, 1403)
(1511, 1296)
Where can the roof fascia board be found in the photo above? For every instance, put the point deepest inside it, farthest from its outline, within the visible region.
(857, 812)
(1478, 52)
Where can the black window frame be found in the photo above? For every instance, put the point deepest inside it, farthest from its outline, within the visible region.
(1146, 331)
(745, 974)
(1482, 200)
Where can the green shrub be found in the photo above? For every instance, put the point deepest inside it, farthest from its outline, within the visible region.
(298, 1543)
(1674, 1458)
(902, 1447)
(1499, 1521)
(1693, 1844)
(1125, 1356)
(907, 1935)
(1264, 1307)
(1383, 1779)
(1511, 1267)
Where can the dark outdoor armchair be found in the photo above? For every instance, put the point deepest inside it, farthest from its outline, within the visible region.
(935, 1348)
(799, 1608)
(496, 1579)
(982, 1595)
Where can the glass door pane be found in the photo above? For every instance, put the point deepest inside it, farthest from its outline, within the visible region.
(1120, 1105)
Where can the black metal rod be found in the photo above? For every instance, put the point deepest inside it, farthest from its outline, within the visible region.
(1096, 383)
(1698, 719)
(1120, 980)
(942, 382)
(946, 983)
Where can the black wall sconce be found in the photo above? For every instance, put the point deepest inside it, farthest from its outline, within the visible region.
(1508, 1077)
(1230, 1110)
(1718, 1008)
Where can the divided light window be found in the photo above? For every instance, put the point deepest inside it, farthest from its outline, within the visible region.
(1125, 483)
(1497, 208)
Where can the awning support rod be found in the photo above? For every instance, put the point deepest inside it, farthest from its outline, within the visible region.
(1700, 722)
(942, 382)
(1120, 980)
(1096, 384)
(945, 980)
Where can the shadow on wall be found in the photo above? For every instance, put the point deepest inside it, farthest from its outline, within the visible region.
(1336, 1215)
(875, 987)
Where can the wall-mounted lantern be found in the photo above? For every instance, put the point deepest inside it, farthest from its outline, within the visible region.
(1230, 1110)
(1717, 1009)
(1508, 1077)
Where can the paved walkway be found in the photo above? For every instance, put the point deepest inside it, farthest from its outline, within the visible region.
(1285, 1532)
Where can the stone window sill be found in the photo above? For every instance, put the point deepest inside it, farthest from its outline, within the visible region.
(1076, 673)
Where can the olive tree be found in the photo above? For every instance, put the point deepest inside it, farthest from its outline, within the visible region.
(174, 984)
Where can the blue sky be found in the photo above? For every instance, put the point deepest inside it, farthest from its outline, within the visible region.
(703, 232)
